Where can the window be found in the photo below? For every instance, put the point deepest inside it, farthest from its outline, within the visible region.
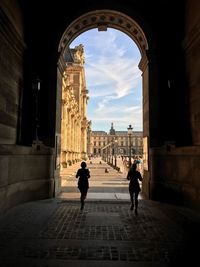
(76, 78)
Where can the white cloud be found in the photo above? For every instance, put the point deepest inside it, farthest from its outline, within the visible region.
(121, 117)
(112, 75)
(112, 80)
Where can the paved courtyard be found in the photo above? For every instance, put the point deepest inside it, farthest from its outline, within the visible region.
(55, 232)
(112, 185)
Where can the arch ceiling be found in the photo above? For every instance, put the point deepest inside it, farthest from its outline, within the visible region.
(103, 19)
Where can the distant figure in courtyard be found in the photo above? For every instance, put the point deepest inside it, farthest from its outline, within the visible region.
(134, 177)
(83, 184)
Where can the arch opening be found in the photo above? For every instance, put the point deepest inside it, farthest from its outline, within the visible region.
(102, 20)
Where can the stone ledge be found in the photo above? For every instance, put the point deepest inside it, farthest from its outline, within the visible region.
(25, 150)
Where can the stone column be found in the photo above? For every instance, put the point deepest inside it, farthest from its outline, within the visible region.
(76, 138)
(63, 136)
(79, 139)
(84, 139)
(70, 136)
(143, 65)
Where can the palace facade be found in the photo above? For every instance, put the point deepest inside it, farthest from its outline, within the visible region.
(115, 143)
(74, 122)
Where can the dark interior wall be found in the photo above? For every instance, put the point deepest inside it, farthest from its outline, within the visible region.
(163, 26)
(40, 62)
(192, 55)
(168, 87)
(11, 72)
(168, 84)
(26, 173)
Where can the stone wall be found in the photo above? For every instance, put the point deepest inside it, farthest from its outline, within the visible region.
(174, 171)
(175, 175)
(11, 82)
(192, 52)
(26, 173)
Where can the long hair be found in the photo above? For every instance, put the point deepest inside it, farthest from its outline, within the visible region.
(134, 166)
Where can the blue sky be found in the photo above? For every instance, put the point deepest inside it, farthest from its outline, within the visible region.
(113, 79)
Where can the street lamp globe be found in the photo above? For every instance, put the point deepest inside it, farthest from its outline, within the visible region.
(130, 129)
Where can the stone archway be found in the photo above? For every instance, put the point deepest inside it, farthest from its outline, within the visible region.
(103, 19)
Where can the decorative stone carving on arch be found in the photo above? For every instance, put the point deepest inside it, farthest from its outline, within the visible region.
(103, 19)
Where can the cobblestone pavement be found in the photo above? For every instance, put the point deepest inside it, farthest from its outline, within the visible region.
(56, 233)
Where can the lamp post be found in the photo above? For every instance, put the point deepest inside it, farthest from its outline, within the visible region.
(36, 85)
(112, 147)
(115, 150)
(110, 153)
(107, 154)
(130, 129)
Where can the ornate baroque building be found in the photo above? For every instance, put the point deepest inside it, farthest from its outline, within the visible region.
(74, 103)
(116, 142)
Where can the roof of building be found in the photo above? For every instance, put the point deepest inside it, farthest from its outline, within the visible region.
(117, 133)
(114, 132)
(120, 132)
(99, 132)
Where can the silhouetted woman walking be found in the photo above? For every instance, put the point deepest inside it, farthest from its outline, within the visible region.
(83, 174)
(134, 187)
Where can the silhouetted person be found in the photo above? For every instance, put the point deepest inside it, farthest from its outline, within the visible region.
(83, 174)
(134, 187)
